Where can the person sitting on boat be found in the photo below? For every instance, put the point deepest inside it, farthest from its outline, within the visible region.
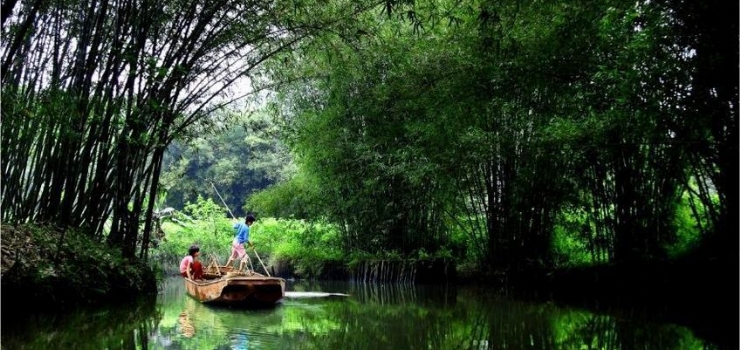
(237, 245)
(190, 266)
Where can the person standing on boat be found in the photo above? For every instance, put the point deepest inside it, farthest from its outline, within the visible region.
(190, 266)
(237, 245)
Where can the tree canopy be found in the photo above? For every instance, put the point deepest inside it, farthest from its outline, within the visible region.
(413, 125)
(507, 120)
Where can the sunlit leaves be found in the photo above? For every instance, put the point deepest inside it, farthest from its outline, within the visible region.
(513, 103)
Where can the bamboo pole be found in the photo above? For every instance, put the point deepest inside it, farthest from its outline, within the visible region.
(232, 215)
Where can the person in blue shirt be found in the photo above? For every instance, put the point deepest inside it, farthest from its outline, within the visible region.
(237, 245)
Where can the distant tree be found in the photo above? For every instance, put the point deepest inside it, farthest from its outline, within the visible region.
(245, 156)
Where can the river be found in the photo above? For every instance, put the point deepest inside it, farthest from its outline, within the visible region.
(368, 317)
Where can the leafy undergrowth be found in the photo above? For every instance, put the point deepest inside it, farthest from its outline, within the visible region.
(54, 268)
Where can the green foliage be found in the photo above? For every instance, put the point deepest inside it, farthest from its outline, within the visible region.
(212, 235)
(306, 245)
(245, 155)
(208, 228)
(179, 238)
(367, 135)
(512, 134)
(309, 245)
(358, 256)
(576, 244)
(83, 132)
(297, 198)
(688, 227)
(686, 230)
(204, 209)
(569, 249)
(68, 267)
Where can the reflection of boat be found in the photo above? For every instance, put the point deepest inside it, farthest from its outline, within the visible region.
(186, 326)
(220, 285)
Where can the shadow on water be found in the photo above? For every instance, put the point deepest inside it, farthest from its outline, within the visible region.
(371, 316)
(111, 327)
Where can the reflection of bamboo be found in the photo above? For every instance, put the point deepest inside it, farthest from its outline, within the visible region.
(371, 271)
(385, 294)
(188, 330)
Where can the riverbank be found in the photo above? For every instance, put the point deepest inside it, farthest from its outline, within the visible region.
(47, 269)
(694, 291)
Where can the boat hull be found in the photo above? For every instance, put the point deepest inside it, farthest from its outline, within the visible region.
(238, 290)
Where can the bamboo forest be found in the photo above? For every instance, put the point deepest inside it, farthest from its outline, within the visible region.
(567, 151)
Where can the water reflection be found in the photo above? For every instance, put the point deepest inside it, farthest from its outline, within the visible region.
(389, 294)
(186, 325)
(372, 317)
(114, 327)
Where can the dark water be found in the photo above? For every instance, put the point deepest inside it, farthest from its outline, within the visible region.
(371, 317)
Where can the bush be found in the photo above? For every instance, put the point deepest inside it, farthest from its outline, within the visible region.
(307, 246)
(51, 268)
(202, 223)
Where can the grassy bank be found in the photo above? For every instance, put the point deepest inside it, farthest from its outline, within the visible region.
(44, 267)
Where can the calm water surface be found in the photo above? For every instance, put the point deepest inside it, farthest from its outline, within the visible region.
(371, 317)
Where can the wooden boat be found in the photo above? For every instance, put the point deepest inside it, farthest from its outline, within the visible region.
(223, 286)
